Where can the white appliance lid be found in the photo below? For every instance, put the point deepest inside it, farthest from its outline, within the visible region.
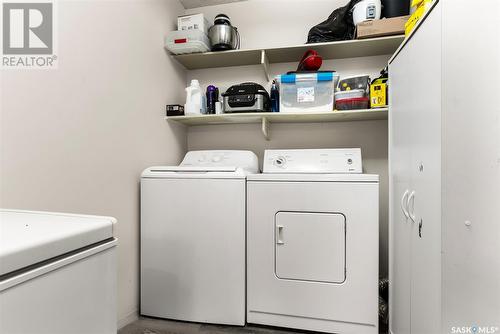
(303, 177)
(216, 164)
(187, 169)
(29, 237)
(188, 172)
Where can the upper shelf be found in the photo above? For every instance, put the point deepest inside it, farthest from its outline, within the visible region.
(332, 50)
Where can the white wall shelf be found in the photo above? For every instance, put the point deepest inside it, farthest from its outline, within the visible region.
(266, 56)
(269, 118)
(332, 50)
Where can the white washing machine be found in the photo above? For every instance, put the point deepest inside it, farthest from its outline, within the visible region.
(193, 237)
(312, 242)
(57, 273)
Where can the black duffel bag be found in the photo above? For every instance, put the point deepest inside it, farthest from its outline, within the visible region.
(337, 27)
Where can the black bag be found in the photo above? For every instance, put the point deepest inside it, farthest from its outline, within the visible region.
(338, 27)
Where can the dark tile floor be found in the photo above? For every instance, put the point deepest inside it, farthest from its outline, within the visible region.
(159, 326)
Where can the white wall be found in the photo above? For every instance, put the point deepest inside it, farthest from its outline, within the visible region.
(268, 23)
(76, 139)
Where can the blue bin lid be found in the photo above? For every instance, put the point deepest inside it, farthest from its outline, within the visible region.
(293, 77)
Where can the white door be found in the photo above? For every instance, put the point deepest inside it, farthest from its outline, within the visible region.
(424, 208)
(400, 143)
(415, 134)
(193, 249)
(310, 246)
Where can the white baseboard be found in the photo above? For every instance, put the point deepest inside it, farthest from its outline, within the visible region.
(129, 318)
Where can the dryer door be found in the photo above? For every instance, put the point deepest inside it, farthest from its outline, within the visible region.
(310, 246)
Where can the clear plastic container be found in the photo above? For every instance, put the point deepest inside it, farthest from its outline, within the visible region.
(352, 103)
(356, 82)
(349, 94)
(312, 92)
(187, 41)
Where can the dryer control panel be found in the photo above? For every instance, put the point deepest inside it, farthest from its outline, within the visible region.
(346, 160)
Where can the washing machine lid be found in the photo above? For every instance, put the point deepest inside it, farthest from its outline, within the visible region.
(215, 164)
(363, 178)
(30, 237)
(191, 172)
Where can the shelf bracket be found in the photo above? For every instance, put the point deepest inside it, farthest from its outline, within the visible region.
(265, 63)
(265, 128)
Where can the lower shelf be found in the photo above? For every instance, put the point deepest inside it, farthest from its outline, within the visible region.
(303, 117)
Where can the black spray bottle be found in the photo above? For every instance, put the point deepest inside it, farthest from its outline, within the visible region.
(275, 97)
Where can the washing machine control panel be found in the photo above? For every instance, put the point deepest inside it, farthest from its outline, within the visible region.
(313, 161)
(222, 158)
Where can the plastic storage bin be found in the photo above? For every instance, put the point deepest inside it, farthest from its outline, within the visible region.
(313, 92)
(187, 41)
(349, 94)
(355, 82)
(353, 103)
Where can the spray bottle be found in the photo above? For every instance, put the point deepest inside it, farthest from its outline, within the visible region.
(275, 97)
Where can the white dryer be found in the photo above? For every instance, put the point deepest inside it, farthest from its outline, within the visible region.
(312, 242)
(193, 237)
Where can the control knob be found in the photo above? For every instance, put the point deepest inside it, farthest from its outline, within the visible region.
(280, 162)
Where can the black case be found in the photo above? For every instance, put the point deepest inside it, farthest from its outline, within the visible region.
(175, 110)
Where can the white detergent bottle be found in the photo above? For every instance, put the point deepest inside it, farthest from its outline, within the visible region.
(194, 99)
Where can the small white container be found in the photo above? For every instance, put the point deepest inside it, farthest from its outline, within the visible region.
(313, 92)
(218, 108)
(187, 41)
(193, 22)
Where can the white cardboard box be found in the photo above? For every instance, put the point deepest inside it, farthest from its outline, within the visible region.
(194, 21)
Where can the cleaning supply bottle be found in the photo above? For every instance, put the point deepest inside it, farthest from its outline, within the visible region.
(275, 97)
(194, 99)
(212, 98)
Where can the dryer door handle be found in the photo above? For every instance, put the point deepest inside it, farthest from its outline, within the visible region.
(404, 203)
(279, 235)
(411, 206)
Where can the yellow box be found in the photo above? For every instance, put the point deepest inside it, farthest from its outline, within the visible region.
(410, 24)
(378, 95)
(417, 3)
(422, 7)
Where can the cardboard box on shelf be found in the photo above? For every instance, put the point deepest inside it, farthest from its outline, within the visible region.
(383, 27)
(193, 21)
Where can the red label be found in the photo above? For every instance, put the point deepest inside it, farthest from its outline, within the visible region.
(180, 40)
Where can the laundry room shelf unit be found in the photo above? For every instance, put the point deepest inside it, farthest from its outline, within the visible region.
(265, 56)
(266, 118)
